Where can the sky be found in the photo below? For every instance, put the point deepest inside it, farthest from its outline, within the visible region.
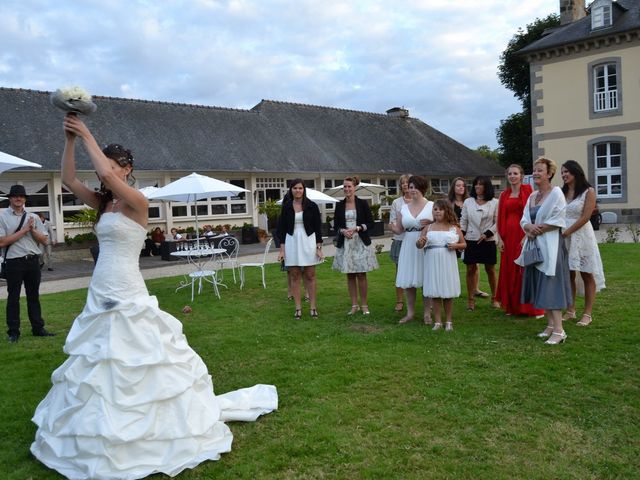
(437, 58)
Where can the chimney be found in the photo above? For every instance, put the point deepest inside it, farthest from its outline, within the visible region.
(571, 10)
(398, 112)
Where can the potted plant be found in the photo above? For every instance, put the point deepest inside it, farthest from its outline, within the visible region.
(249, 234)
(272, 210)
(378, 225)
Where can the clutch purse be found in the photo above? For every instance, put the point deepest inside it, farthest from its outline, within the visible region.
(531, 255)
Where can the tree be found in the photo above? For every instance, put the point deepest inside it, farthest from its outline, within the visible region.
(514, 133)
(513, 69)
(489, 154)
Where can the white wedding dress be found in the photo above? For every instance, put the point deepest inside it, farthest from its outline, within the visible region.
(133, 398)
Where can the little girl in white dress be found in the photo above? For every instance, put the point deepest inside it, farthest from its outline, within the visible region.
(441, 277)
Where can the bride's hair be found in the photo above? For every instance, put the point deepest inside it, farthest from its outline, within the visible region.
(123, 157)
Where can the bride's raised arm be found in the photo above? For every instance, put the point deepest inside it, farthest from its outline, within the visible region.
(111, 177)
(69, 178)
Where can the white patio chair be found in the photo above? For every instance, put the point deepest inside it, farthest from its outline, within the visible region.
(260, 265)
(230, 256)
(204, 261)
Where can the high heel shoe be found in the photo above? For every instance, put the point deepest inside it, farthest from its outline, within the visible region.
(569, 314)
(399, 307)
(437, 326)
(313, 313)
(354, 309)
(298, 314)
(448, 327)
(545, 333)
(365, 309)
(556, 338)
(585, 320)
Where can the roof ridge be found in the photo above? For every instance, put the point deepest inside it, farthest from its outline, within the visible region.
(323, 107)
(139, 100)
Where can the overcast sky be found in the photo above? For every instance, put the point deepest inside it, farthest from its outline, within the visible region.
(438, 58)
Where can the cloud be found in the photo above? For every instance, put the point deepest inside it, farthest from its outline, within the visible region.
(438, 59)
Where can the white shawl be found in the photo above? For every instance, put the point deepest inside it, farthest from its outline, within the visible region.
(551, 212)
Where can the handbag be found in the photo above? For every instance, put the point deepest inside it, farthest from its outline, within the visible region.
(532, 254)
(3, 267)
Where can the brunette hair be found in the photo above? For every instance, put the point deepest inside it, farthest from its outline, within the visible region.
(419, 182)
(122, 157)
(489, 192)
(293, 183)
(576, 170)
(449, 215)
(551, 165)
(452, 190)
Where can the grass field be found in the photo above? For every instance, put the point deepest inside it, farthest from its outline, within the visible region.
(363, 397)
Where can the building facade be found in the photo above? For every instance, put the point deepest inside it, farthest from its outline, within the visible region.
(585, 98)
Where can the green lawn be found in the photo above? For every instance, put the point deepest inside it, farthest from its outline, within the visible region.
(362, 397)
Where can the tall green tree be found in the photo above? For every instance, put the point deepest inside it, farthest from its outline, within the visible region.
(514, 133)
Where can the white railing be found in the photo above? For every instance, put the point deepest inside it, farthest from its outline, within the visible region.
(603, 101)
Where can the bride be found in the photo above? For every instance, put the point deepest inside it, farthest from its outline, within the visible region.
(133, 398)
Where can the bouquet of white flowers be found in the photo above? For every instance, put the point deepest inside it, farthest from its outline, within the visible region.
(73, 99)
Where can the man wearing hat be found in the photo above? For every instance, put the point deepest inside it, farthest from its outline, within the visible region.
(21, 234)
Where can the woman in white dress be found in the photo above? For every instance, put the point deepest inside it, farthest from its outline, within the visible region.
(580, 239)
(441, 241)
(396, 241)
(412, 219)
(300, 235)
(132, 399)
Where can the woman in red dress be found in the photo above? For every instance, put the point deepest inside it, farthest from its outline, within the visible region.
(510, 207)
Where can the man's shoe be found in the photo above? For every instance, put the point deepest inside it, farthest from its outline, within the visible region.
(13, 338)
(50, 269)
(44, 333)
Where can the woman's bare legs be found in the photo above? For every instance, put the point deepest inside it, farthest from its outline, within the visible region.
(493, 282)
(309, 278)
(589, 297)
(472, 285)
(411, 305)
(363, 287)
(295, 275)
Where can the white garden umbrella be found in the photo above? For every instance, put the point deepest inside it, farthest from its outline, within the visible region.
(146, 191)
(195, 187)
(316, 196)
(7, 162)
(366, 188)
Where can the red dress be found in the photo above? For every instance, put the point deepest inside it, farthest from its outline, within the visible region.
(510, 280)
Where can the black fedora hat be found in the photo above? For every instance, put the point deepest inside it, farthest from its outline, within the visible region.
(17, 191)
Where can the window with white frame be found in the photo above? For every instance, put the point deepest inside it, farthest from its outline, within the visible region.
(607, 158)
(440, 186)
(391, 185)
(601, 14)
(155, 206)
(605, 81)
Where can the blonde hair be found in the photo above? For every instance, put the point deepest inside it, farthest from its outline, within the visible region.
(353, 179)
(404, 178)
(552, 167)
(515, 165)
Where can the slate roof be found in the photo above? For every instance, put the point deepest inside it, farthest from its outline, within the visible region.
(627, 18)
(271, 137)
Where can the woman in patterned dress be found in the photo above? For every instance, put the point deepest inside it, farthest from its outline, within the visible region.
(354, 255)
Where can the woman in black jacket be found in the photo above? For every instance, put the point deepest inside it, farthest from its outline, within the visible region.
(354, 255)
(299, 232)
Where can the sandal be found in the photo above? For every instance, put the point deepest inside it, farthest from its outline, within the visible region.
(556, 338)
(365, 310)
(437, 326)
(354, 309)
(569, 314)
(306, 297)
(585, 320)
(399, 307)
(405, 319)
(448, 327)
(471, 305)
(298, 314)
(481, 294)
(545, 333)
(426, 319)
(290, 297)
(313, 313)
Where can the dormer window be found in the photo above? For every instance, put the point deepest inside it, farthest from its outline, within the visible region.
(601, 14)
